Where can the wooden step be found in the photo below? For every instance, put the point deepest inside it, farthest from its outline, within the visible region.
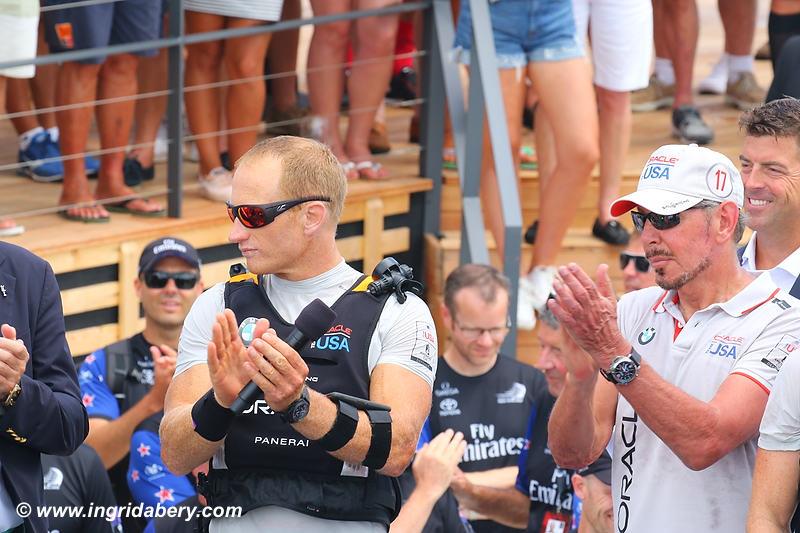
(529, 199)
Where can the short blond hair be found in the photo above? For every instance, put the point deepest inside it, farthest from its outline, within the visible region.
(309, 168)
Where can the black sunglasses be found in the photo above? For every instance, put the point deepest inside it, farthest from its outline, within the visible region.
(157, 279)
(639, 261)
(659, 222)
(257, 216)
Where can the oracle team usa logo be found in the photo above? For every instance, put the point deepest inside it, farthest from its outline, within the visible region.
(647, 335)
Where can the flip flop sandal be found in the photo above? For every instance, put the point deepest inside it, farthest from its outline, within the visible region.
(527, 158)
(64, 213)
(124, 207)
(376, 168)
(449, 159)
(349, 169)
(11, 231)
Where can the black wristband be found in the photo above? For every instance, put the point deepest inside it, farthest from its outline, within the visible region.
(210, 420)
(344, 427)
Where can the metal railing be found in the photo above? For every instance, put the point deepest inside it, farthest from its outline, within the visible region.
(485, 98)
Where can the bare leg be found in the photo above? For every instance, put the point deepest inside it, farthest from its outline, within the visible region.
(739, 20)
(325, 77)
(244, 58)
(114, 121)
(615, 137)
(661, 31)
(202, 106)
(683, 24)
(43, 84)
(152, 77)
(5, 223)
(575, 132)
(374, 39)
(20, 101)
(77, 83)
(282, 58)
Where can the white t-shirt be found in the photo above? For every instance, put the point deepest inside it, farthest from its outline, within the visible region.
(783, 275)
(405, 335)
(653, 490)
(780, 427)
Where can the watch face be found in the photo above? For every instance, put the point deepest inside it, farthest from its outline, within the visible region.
(299, 412)
(624, 371)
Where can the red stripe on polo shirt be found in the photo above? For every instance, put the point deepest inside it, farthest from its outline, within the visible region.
(770, 297)
(754, 380)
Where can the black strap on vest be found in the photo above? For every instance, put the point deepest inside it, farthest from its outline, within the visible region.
(118, 364)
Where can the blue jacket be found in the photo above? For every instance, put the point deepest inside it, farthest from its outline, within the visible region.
(48, 416)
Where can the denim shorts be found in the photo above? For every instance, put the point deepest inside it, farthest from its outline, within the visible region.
(93, 26)
(524, 31)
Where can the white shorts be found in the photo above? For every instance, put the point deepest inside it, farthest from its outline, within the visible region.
(621, 40)
(18, 42)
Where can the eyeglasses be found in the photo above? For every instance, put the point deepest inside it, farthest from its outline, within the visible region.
(639, 261)
(497, 333)
(157, 279)
(257, 216)
(659, 222)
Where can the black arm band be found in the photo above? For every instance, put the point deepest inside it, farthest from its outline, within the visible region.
(344, 427)
(210, 420)
(381, 443)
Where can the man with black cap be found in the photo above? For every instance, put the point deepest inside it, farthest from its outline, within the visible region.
(123, 385)
(685, 368)
(592, 510)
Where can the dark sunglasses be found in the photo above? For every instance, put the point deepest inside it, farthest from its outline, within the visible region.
(659, 222)
(257, 216)
(156, 279)
(639, 261)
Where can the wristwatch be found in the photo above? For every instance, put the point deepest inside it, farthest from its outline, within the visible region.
(623, 369)
(298, 409)
(12, 396)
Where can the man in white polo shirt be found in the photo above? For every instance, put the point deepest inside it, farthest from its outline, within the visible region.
(688, 365)
(770, 161)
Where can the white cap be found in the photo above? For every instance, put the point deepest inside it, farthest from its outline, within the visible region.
(678, 176)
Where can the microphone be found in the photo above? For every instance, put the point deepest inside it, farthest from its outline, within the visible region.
(311, 323)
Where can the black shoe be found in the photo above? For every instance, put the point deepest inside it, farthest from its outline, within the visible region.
(403, 85)
(225, 159)
(530, 233)
(689, 127)
(611, 232)
(135, 173)
(529, 117)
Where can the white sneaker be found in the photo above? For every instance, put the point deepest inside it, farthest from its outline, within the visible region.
(161, 145)
(534, 290)
(216, 185)
(717, 81)
(526, 318)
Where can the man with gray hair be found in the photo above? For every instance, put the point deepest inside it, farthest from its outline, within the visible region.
(687, 366)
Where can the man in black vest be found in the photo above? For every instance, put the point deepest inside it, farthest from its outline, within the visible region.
(481, 393)
(123, 385)
(297, 460)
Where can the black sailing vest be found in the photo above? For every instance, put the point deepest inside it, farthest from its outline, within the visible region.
(268, 462)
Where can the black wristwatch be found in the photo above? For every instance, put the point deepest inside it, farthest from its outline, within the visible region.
(623, 369)
(298, 409)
